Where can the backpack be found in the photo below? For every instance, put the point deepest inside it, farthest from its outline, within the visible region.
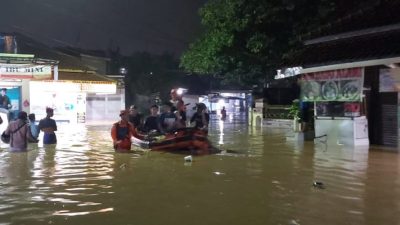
(6, 137)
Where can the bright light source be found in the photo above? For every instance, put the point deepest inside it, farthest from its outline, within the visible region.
(181, 91)
(123, 70)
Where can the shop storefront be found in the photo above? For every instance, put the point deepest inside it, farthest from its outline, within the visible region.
(15, 78)
(67, 98)
(31, 87)
(66, 83)
(16, 71)
(339, 105)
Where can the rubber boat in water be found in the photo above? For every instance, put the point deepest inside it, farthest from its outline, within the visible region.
(182, 140)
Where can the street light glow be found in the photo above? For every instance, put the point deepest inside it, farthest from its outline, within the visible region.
(179, 91)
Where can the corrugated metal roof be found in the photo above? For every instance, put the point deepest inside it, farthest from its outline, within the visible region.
(27, 45)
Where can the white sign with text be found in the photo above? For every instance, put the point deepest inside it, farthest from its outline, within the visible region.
(25, 71)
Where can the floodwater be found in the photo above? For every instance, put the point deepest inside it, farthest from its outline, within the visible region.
(259, 178)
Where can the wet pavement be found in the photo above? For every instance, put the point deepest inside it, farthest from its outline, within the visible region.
(259, 178)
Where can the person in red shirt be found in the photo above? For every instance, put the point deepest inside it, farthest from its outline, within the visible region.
(122, 132)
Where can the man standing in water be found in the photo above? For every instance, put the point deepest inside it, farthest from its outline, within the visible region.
(122, 132)
(19, 133)
(33, 126)
(223, 113)
(48, 126)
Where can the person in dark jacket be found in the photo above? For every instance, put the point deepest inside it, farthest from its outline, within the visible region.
(168, 119)
(152, 121)
(135, 117)
(201, 118)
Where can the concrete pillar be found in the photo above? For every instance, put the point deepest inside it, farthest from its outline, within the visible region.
(25, 96)
(55, 70)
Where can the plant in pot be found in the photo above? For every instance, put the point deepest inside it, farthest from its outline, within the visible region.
(294, 113)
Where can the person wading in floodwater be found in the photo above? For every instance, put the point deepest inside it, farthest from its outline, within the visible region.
(223, 113)
(48, 126)
(122, 132)
(19, 133)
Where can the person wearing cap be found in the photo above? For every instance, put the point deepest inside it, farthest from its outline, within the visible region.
(48, 126)
(122, 132)
(201, 118)
(19, 133)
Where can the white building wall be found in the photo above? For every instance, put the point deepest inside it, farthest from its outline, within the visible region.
(104, 108)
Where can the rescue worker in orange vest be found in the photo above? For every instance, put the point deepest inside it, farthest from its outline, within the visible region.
(122, 132)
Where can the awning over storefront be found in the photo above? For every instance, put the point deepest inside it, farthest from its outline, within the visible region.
(95, 87)
(294, 71)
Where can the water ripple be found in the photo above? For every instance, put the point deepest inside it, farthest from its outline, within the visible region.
(259, 178)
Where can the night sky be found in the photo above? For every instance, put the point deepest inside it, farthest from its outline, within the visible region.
(154, 26)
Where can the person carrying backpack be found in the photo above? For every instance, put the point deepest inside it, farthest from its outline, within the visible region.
(19, 133)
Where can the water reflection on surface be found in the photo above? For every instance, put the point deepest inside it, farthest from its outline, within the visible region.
(259, 178)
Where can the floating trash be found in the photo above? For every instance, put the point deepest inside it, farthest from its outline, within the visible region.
(318, 184)
(293, 222)
(188, 158)
(218, 173)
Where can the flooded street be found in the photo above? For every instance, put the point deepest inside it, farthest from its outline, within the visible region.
(259, 178)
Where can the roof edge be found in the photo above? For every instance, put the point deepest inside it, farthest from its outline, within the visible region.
(352, 34)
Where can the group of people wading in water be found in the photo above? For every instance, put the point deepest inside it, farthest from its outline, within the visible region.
(172, 117)
(24, 130)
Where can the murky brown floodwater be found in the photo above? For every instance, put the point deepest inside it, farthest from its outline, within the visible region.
(267, 181)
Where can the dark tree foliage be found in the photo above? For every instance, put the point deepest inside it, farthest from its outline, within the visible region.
(155, 75)
(245, 40)
(148, 74)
